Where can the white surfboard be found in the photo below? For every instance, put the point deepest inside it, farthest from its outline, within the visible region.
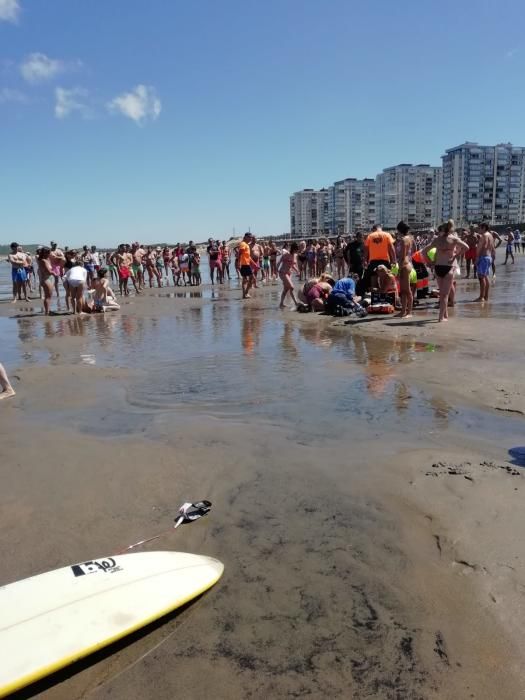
(51, 620)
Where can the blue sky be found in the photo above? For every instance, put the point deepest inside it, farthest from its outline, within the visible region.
(169, 120)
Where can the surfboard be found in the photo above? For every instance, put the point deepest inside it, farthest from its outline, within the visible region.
(51, 620)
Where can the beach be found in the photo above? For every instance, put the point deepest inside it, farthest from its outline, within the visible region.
(364, 504)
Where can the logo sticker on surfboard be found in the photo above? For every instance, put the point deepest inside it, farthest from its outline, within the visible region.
(108, 565)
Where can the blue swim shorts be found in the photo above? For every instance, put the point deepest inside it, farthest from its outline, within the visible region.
(18, 274)
(484, 265)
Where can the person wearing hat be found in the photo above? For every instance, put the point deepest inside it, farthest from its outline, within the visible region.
(245, 264)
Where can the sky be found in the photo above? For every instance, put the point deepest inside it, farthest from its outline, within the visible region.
(165, 120)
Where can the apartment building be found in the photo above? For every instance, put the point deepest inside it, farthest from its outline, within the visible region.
(351, 205)
(308, 213)
(484, 183)
(410, 193)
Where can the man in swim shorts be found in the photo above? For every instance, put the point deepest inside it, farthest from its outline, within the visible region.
(18, 261)
(485, 253)
(138, 252)
(245, 264)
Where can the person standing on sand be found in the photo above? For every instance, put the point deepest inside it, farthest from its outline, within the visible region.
(470, 256)
(354, 254)
(57, 260)
(138, 252)
(89, 264)
(225, 257)
(508, 249)
(287, 265)
(30, 271)
(214, 259)
(517, 240)
(448, 246)
(18, 261)
(256, 252)
(404, 260)
(46, 276)
(273, 260)
(7, 389)
(498, 240)
(265, 272)
(190, 252)
(379, 250)
(486, 253)
(245, 265)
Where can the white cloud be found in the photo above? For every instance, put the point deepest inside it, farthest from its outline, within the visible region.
(511, 53)
(37, 67)
(9, 95)
(68, 101)
(9, 10)
(140, 104)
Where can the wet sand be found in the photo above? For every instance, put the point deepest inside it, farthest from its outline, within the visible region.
(364, 507)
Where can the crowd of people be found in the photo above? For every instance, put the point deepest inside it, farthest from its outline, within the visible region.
(391, 269)
(83, 279)
(364, 273)
(383, 272)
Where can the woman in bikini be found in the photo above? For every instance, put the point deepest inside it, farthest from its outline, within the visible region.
(225, 257)
(287, 265)
(46, 275)
(151, 269)
(448, 246)
(404, 260)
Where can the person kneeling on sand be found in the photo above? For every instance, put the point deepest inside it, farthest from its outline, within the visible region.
(7, 389)
(103, 298)
(76, 279)
(386, 283)
(315, 294)
(343, 296)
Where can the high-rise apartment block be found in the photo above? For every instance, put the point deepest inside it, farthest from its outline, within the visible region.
(476, 183)
(409, 193)
(404, 192)
(484, 183)
(308, 212)
(352, 205)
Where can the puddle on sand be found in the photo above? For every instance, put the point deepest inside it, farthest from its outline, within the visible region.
(239, 363)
